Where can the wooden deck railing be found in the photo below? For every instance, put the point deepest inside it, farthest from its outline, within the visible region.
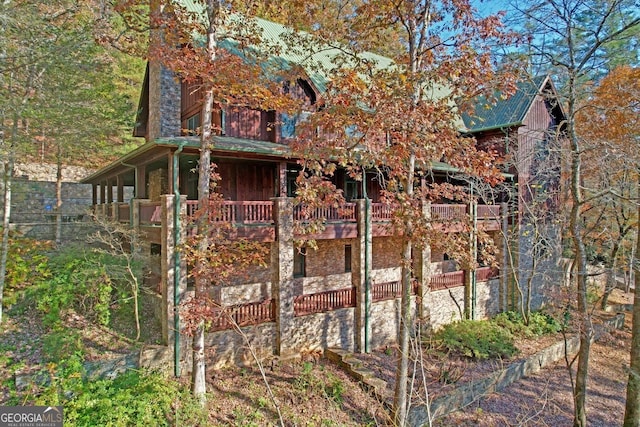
(245, 314)
(446, 280)
(246, 212)
(345, 213)
(444, 212)
(381, 212)
(324, 301)
(485, 273)
(124, 212)
(489, 212)
(150, 213)
(390, 290)
(261, 212)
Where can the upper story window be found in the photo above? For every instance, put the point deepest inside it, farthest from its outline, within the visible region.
(242, 121)
(193, 125)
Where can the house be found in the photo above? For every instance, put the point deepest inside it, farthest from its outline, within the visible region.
(344, 294)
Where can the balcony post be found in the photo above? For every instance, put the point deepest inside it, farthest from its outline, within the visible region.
(360, 276)
(282, 283)
(422, 265)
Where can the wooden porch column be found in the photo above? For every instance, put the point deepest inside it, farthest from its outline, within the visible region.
(422, 265)
(141, 182)
(282, 179)
(361, 277)
(109, 191)
(282, 284)
(103, 193)
(94, 194)
(120, 184)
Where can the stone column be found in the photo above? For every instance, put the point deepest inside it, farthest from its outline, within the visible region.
(282, 179)
(164, 102)
(170, 269)
(282, 284)
(422, 266)
(360, 276)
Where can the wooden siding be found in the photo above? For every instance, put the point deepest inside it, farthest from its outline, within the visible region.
(241, 121)
(247, 181)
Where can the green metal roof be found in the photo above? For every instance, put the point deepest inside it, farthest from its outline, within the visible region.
(316, 62)
(506, 112)
(230, 145)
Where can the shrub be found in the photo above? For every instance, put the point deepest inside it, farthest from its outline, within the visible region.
(476, 339)
(24, 258)
(134, 398)
(539, 323)
(77, 280)
(542, 323)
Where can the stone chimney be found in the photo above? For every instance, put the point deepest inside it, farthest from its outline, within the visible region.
(164, 89)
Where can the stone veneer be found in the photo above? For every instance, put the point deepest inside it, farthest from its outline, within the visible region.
(290, 335)
(33, 204)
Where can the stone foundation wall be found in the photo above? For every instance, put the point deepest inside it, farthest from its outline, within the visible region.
(443, 309)
(312, 285)
(385, 320)
(243, 294)
(487, 299)
(324, 330)
(33, 207)
(229, 347)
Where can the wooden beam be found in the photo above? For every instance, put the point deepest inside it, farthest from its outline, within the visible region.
(120, 184)
(141, 182)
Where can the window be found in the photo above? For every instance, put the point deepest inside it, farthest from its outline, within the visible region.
(193, 124)
(350, 189)
(299, 261)
(347, 258)
(291, 185)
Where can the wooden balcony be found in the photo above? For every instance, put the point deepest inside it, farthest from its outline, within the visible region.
(247, 212)
(255, 219)
(446, 280)
(324, 301)
(253, 313)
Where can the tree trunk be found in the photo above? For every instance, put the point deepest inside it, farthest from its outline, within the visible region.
(610, 281)
(198, 385)
(575, 226)
(8, 179)
(632, 408)
(59, 197)
(400, 398)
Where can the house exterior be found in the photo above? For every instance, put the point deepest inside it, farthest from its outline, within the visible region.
(346, 293)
